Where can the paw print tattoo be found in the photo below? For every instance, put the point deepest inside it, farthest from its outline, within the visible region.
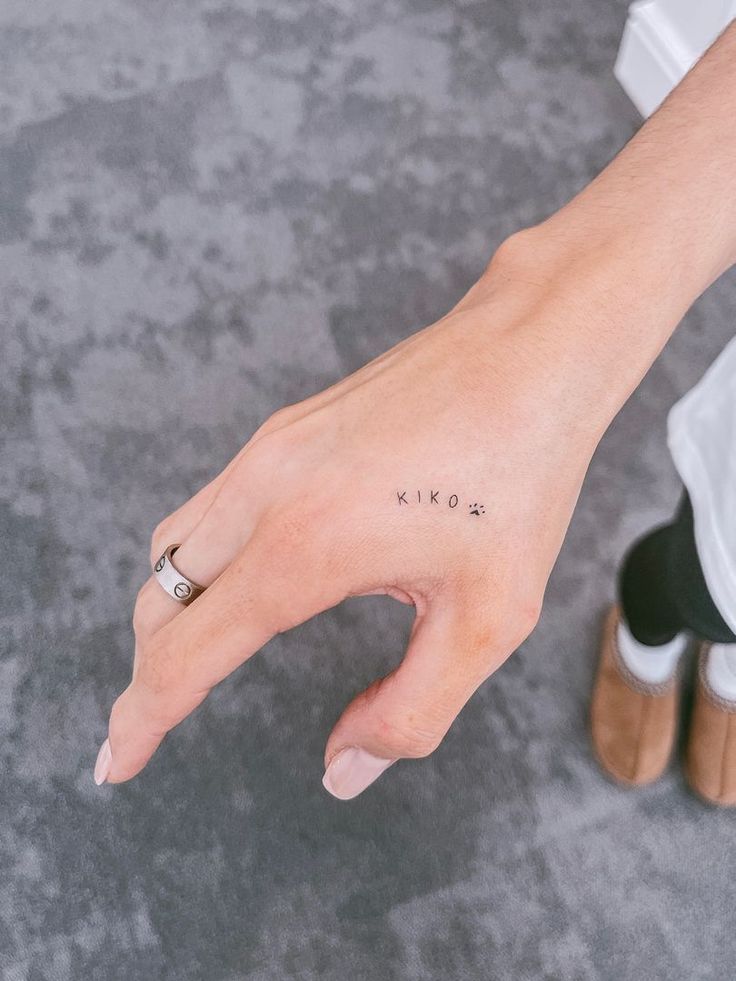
(477, 508)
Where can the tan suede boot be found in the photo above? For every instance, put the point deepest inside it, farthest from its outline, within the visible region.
(711, 753)
(633, 723)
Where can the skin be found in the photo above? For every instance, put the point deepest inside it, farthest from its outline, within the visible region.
(502, 402)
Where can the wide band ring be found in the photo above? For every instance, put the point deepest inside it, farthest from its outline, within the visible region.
(177, 585)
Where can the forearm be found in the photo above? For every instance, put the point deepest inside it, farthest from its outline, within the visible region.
(666, 203)
(603, 283)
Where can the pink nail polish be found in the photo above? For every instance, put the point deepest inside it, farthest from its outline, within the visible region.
(103, 764)
(351, 771)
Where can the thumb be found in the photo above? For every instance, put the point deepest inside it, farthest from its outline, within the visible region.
(407, 713)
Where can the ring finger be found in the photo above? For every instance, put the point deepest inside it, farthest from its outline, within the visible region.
(202, 555)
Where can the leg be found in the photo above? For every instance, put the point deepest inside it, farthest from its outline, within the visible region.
(662, 588)
(635, 701)
(686, 583)
(645, 592)
(663, 593)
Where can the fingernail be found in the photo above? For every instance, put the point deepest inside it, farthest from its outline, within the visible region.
(103, 764)
(351, 771)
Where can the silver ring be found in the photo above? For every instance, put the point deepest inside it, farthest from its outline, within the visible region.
(175, 583)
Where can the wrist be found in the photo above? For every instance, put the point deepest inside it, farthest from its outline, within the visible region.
(591, 295)
(617, 274)
(573, 308)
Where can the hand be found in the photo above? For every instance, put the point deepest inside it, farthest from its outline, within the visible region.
(496, 408)
(443, 474)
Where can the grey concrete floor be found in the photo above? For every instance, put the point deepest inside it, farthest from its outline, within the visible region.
(208, 209)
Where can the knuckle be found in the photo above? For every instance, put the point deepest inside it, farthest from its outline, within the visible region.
(117, 709)
(160, 538)
(306, 567)
(142, 611)
(529, 616)
(301, 526)
(521, 620)
(164, 689)
(289, 528)
(262, 460)
(129, 715)
(151, 674)
(281, 417)
(504, 624)
(410, 735)
(512, 256)
(116, 724)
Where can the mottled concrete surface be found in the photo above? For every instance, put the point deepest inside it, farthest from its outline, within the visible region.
(208, 209)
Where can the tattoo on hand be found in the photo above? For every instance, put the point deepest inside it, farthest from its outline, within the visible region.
(415, 497)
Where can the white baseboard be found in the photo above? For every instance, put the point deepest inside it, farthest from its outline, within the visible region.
(662, 40)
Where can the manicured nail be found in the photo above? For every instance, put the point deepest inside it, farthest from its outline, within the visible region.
(351, 771)
(103, 764)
